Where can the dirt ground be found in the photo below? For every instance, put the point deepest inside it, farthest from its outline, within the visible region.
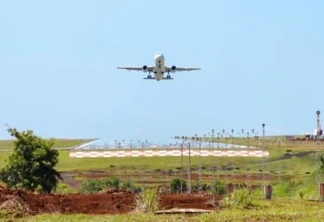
(108, 202)
(111, 202)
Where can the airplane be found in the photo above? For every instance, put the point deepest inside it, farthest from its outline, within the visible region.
(159, 69)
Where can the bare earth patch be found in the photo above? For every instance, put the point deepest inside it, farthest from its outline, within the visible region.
(110, 202)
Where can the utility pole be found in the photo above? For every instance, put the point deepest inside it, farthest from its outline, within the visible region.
(200, 182)
(263, 132)
(232, 140)
(213, 131)
(189, 170)
(319, 131)
(181, 160)
(248, 140)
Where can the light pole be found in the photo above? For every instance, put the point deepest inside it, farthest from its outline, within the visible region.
(199, 164)
(232, 137)
(181, 160)
(189, 170)
(224, 136)
(253, 136)
(263, 125)
(248, 139)
(213, 131)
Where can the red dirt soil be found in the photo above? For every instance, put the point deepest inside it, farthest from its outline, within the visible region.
(111, 202)
(105, 203)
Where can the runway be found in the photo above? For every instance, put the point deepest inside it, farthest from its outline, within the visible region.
(171, 152)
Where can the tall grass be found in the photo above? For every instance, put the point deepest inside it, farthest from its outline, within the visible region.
(147, 201)
(239, 198)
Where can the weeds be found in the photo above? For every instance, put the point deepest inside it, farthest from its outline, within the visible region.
(240, 198)
(147, 201)
(96, 185)
(217, 187)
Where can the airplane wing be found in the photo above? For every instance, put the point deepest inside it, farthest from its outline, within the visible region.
(179, 69)
(138, 68)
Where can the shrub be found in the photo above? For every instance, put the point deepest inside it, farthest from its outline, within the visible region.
(285, 188)
(147, 201)
(129, 186)
(177, 185)
(115, 182)
(96, 185)
(240, 198)
(63, 188)
(196, 186)
(91, 186)
(31, 164)
(217, 187)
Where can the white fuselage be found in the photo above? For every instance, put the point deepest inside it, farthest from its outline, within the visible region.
(159, 66)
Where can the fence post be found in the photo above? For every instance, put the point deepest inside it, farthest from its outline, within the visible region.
(268, 191)
(321, 191)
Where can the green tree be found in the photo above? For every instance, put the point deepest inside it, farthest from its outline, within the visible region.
(31, 165)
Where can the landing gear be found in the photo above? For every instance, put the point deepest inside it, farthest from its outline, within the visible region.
(149, 75)
(168, 76)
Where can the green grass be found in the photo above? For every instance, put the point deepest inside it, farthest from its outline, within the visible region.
(294, 176)
(131, 164)
(60, 143)
(267, 210)
(3, 158)
(6, 144)
(297, 166)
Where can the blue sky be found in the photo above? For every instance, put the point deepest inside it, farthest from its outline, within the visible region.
(262, 62)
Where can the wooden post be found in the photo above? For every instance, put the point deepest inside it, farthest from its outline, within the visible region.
(321, 190)
(268, 191)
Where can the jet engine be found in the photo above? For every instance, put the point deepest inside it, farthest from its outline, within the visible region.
(173, 68)
(145, 68)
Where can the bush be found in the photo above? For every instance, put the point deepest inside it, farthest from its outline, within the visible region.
(147, 201)
(63, 188)
(129, 186)
(115, 182)
(177, 185)
(240, 198)
(96, 185)
(285, 189)
(91, 186)
(31, 164)
(196, 186)
(217, 187)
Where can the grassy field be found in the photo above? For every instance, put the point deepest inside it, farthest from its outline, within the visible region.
(275, 210)
(59, 143)
(275, 164)
(292, 176)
